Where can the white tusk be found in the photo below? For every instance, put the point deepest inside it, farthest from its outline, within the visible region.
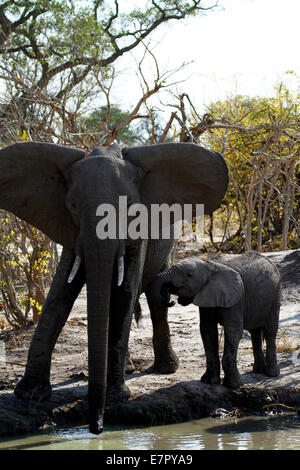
(74, 269)
(120, 270)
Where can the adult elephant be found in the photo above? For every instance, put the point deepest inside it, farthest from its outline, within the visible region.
(58, 189)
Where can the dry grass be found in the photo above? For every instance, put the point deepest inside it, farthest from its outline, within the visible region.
(286, 344)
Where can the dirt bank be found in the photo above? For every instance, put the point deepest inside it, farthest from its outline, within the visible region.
(156, 398)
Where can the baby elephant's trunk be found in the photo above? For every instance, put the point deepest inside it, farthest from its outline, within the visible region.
(160, 289)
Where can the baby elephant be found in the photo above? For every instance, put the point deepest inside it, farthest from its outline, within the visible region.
(240, 293)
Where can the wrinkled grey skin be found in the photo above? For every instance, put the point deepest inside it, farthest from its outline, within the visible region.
(58, 189)
(242, 293)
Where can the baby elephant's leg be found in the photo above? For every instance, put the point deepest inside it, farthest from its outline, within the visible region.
(233, 330)
(209, 334)
(269, 332)
(259, 366)
(272, 369)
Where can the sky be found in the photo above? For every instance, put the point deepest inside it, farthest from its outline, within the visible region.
(244, 47)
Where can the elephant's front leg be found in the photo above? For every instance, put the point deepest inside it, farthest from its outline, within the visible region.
(259, 366)
(165, 359)
(233, 330)
(123, 303)
(209, 335)
(36, 381)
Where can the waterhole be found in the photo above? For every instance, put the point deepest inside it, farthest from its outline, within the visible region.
(278, 432)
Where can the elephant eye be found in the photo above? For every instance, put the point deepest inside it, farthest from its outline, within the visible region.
(189, 275)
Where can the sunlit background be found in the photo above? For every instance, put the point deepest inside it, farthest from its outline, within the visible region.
(241, 47)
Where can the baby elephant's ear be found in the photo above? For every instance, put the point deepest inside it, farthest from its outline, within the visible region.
(224, 289)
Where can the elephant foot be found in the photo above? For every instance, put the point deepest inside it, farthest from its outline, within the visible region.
(232, 381)
(117, 394)
(272, 371)
(259, 368)
(96, 426)
(166, 363)
(32, 388)
(95, 420)
(210, 378)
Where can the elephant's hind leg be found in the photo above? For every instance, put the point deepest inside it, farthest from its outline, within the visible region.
(165, 359)
(270, 332)
(36, 382)
(272, 369)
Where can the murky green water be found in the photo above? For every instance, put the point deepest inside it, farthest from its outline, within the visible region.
(273, 433)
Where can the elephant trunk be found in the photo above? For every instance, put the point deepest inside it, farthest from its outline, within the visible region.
(99, 263)
(161, 287)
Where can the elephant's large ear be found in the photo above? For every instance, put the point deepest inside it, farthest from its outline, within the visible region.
(180, 173)
(224, 289)
(32, 186)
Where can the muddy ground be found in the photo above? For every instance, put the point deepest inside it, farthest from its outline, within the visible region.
(156, 398)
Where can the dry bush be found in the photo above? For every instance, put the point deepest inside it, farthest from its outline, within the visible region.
(28, 260)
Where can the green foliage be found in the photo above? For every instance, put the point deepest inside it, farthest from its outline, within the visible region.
(53, 31)
(259, 138)
(93, 124)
